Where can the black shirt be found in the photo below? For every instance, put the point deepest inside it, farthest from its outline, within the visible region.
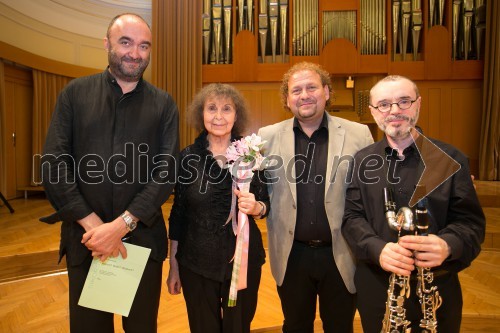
(405, 171)
(107, 152)
(310, 162)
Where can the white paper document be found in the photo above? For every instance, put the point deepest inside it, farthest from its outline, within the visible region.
(111, 286)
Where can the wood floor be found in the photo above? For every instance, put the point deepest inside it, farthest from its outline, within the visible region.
(34, 289)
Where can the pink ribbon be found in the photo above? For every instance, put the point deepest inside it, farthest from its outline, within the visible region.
(242, 231)
(243, 236)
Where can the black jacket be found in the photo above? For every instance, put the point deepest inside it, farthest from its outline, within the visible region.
(202, 205)
(454, 210)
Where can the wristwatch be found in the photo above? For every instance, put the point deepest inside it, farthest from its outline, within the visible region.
(129, 222)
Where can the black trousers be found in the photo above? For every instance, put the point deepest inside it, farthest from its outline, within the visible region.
(372, 284)
(206, 302)
(143, 314)
(312, 273)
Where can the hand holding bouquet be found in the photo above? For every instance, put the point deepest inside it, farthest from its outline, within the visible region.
(243, 158)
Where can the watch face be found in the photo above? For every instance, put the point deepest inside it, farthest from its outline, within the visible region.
(129, 222)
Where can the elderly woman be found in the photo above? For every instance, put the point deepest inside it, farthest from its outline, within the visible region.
(202, 241)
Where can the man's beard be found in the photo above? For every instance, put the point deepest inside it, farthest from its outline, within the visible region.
(399, 132)
(312, 109)
(119, 67)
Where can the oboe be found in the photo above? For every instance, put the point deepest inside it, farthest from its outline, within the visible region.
(428, 294)
(399, 285)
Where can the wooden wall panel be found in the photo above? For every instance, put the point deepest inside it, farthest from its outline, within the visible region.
(466, 122)
(264, 103)
(253, 101)
(423, 119)
(433, 104)
(413, 70)
(451, 112)
(445, 114)
(272, 110)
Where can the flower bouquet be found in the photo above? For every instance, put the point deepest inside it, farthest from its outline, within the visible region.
(243, 158)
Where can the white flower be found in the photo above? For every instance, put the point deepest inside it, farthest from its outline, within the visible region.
(245, 152)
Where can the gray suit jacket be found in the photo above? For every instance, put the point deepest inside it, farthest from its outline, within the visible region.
(345, 139)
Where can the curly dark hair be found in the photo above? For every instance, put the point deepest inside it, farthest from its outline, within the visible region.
(195, 109)
(304, 66)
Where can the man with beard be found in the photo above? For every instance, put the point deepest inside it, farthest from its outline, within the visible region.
(108, 166)
(309, 258)
(456, 221)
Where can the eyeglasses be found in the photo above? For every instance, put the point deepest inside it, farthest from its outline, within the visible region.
(403, 104)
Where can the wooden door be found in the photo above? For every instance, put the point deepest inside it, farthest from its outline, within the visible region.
(17, 130)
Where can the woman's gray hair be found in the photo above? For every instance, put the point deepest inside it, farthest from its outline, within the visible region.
(216, 90)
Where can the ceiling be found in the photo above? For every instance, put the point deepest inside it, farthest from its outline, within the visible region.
(85, 17)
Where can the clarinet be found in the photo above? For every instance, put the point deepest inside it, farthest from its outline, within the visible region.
(399, 285)
(428, 295)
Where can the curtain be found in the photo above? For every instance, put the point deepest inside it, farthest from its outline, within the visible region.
(46, 88)
(177, 54)
(489, 151)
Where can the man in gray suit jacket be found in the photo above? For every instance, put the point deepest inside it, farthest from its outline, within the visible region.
(309, 157)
